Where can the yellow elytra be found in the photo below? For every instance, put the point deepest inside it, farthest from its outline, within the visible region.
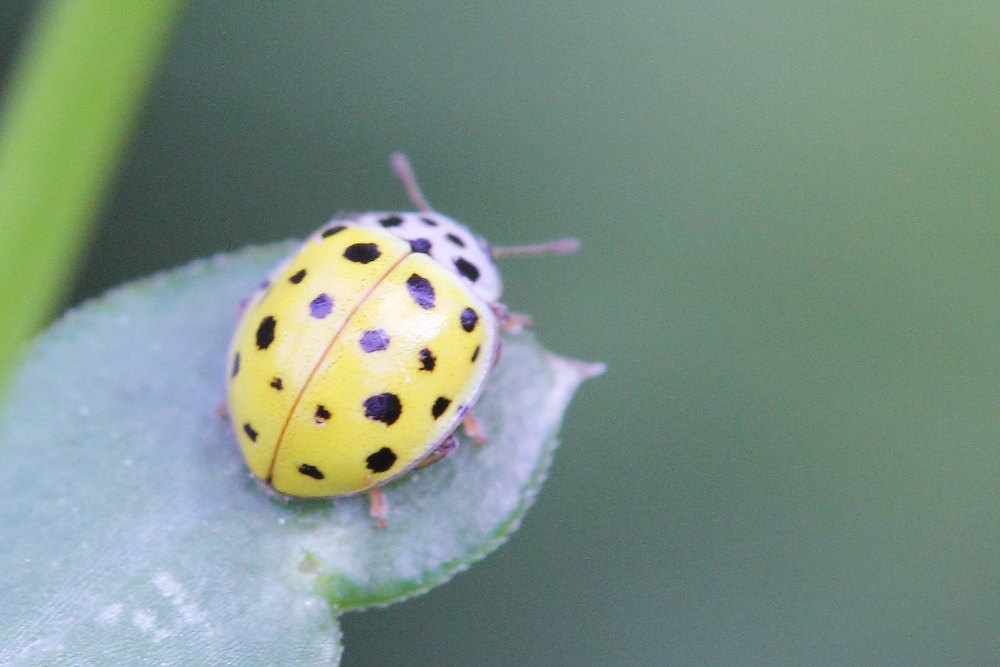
(359, 357)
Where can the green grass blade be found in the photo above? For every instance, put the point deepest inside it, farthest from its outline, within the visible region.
(68, 108)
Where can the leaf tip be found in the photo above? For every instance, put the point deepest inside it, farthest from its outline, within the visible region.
(587, 370)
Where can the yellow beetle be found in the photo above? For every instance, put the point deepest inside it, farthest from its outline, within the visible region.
(359, 357)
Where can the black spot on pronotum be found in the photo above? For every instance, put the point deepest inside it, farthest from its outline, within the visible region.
(421, 290)
(429, 222)
(467, 269)
(385, 408)
(322, 414)
(276, 383)
(475, 354)
(381, 460)
(321, 306)
(420, 245)
(391, 221)
(362, 253)
(374, 341)
(454, 239)
(297, 278)
(440, 405)
(248, 429)
(330, 231)
(236, 364)
(469, 319)
(310, 471)
(427, 360)
(265, 332)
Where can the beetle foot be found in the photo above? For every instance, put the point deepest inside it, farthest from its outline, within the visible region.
(447, 446)
(474, 428)
(511, 322)
(378, 507)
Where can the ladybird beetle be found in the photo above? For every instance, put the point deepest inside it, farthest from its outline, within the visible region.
(359, 357)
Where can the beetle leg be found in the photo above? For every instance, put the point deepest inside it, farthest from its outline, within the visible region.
(447, 446)
(378, 507)
(474, 428)
(511, 322)
(515, 322)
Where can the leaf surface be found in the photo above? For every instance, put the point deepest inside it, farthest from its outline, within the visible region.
(133, 531)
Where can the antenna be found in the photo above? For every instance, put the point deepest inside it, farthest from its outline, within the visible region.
(404, 172)
(565, 246)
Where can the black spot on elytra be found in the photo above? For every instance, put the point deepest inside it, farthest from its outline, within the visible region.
(374, 341)
(421, 290)
(276, 383)
(321, 306)
(440, 405)
(248, 429)
(467, 269)
(330, 231)
(322, 414)
(428, 221)
(381, 460)
(385, 408)
(454, 239)
(420, 245)
(427, 360)
(475, 354)
(310, 471)
(297, 278)
(362, 253)
(391, 221)
(265, 332)
(236, 364)
(469, 319)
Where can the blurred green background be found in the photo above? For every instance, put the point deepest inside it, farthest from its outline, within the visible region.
(791, 258)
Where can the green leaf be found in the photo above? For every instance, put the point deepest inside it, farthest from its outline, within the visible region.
(132, 530)
(70, 103)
